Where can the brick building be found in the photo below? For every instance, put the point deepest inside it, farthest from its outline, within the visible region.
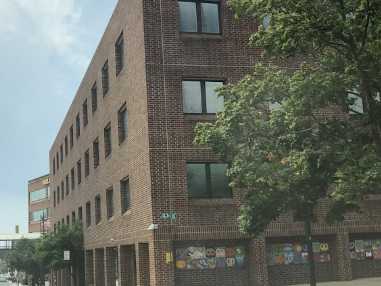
(157, 209)
(39, 204)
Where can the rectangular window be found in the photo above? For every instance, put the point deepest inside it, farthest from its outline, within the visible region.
(67, 220)
(58, 195)
(110, 202)
(105, 79)
(84, 113)
(119, 54)
(87, 163)
(80, 214)
(71, 134)
(61, 153)
(39, 215)
(107, 140)
(208, 180)
(96, 153)
(66, 146)
(54, 199)
(39, 195)
(72, 179)
(77, 126)
(200, 16)
(98, 211)
(62, 190)
(94, 98)
(58, 161)
(73, 217)
(122, 123)
(79, 172)
(67, 185)
(125, 197)
(200, 96)
(88, 214)
(54, 166)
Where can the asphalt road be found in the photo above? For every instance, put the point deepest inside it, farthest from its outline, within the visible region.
(359, 282)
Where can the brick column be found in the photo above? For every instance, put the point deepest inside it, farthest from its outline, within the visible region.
(111, 266)
(344, 268)
(164, 272)
(89, 267)
(99, 266)
(257, 262)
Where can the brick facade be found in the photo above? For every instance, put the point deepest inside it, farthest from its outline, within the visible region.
(154, 156)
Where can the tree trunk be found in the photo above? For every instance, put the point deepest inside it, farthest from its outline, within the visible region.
(311, 261)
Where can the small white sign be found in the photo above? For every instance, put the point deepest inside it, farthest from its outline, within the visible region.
(66, 255)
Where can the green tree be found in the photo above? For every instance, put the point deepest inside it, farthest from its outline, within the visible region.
(25, 258)
(53, 245)
(296, 137)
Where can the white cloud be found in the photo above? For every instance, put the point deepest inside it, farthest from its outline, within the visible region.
(52, 24)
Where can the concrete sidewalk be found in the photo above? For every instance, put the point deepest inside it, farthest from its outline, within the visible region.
(359, 282)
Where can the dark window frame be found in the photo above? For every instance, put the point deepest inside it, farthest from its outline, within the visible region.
(79, 172)
(77, 126)
(204, 107)
(80, 213)
(67, 185)
(58, 195)
(199, 16)
(88, 214)
(54, 199)
(71, 136)
(87, 163)
(96, 156)
(209, 187)
(119, 54)
(125, 195)
(105, 78)
(107, 140)
(110, 202)
(72, 174)
(62, 190)
(61, 154)
(66, 146)
(94, 97)
(54, 165)
(122, 129)
(85, 114)
(98, 209)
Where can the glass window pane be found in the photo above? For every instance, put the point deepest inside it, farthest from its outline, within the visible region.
(214, 103)
(219, 181)
(188, 16)
(196, 177)
(192, 97)
(39, 195)
(210, 18)
(38, 215)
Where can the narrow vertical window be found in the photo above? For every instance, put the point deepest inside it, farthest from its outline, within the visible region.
(71, 135)
(87, 163)
(54, 199)
(73, 217)
(96, 153)
(58, 161)
(66, 146)
(94, 98)
(125, 197)
(80, 214)
(58, 195)
(72, 179)
(67, 185)
(98, 211)
(119, 54)
(88, 214)
(61, 153)
(77, 126)
(67, 220)
(122, 123)
(110, 202)
(54, 166)
(79, 172)
(84, 113)
(62, 190)
(105, 79)
(107, 140)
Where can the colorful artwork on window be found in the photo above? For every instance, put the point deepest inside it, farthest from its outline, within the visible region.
(193, 258)
(365, 249)
(296, 253)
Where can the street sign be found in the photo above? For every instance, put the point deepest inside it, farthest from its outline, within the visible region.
(67, 255)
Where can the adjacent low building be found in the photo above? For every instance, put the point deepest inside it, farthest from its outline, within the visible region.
(157, 209)
(39, 204)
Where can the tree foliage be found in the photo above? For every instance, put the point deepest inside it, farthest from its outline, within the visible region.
(315, 143)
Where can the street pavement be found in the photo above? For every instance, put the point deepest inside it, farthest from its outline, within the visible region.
(359, 282)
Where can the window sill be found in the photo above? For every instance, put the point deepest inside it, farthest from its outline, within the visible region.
(200, 36)
(200, 116)
(211, 202)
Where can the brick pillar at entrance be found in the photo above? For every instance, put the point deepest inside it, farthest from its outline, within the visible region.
(257, 261)
(344, 269)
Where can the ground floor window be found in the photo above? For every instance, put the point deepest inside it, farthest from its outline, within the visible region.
(361, 249)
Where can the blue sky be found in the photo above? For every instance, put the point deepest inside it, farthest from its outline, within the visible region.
(45, 47)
